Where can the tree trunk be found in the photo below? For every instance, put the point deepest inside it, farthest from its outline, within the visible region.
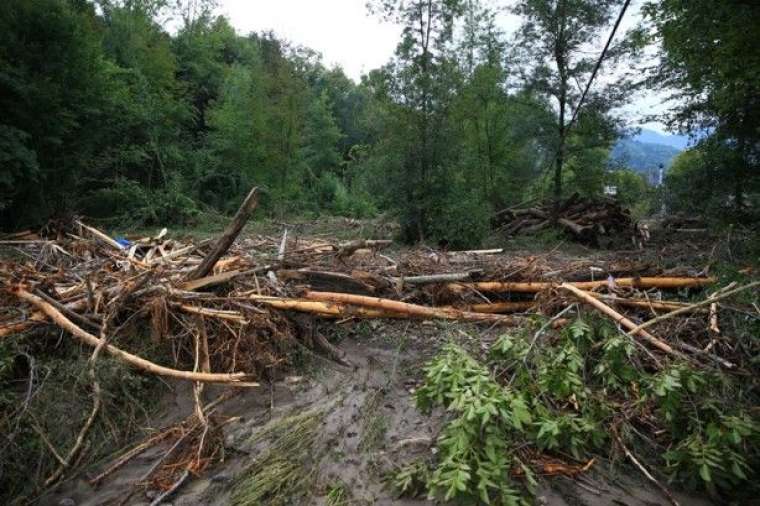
(738, 175)
(228, 237)
(560, 50)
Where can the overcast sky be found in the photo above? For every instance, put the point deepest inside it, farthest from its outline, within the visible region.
(348, 36)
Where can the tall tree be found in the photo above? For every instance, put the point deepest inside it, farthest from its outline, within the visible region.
(557, 41)
(422, 81)
(53, 84)
(710, 62)
(319, 148)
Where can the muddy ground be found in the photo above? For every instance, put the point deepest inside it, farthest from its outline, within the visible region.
(370, 428)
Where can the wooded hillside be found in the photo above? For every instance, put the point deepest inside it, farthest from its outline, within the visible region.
(107, 114)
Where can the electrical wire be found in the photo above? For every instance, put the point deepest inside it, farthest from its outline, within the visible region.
(599, 63)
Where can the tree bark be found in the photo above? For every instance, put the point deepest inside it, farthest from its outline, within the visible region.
(228, 237)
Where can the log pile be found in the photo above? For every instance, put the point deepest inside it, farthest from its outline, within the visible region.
(585, 220)
(684, 223)
(223, 308)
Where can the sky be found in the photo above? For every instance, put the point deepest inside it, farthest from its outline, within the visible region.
(349, 36)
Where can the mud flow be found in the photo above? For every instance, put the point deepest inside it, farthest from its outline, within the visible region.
(335, 434)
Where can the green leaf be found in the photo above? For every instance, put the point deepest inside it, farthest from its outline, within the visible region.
(704, 473)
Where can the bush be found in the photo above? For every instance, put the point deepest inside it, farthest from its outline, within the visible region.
(456, 215)
(130, 204)
(565, 395)
(462, 220)
(330, 194)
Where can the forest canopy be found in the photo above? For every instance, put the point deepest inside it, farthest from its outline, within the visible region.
(108, 114)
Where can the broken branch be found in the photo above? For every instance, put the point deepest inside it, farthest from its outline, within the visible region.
(228, 237)
(133, 360)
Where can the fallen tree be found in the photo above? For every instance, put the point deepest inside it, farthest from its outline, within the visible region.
(666, 283)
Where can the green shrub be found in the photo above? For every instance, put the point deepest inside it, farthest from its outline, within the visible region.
(331, 195)
(129, 203)
(462, 220)
(474, 461)
(564, 395)
(719, 455)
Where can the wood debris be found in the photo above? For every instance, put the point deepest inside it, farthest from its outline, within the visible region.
(584, 219)
(223, 308)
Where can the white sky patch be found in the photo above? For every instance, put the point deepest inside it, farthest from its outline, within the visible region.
(342, 30)
(347, 35)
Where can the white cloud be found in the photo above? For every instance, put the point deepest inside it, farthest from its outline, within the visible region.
(342, 30)
(346, 34)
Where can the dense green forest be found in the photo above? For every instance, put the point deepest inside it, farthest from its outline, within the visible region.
(107, 114)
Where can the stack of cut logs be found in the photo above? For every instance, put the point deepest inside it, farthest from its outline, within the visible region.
(584, 219)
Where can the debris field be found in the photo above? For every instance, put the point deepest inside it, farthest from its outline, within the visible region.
(223, 308)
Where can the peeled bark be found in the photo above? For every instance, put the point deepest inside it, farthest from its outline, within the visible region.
(498, 307)
(329, 309)
(133, 360)
(539, 286)
(407, 309)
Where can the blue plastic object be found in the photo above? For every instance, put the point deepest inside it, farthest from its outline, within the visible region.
(124, 243)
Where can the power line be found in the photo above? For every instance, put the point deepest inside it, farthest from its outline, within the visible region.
(599, 63)
(550, 160)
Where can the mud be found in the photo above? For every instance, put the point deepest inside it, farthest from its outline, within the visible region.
(370, 429)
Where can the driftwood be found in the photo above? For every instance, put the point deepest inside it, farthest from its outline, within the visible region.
(653, 305)
(405, 308)
(476, 252)
(224, 277)
(540, 286)
(520, 306)
(583, 232)
(706, 302)
(344, 305)
(228, 237)
(327, 309)
(435, 278)
(622, 320)
(133, 360)
(100, 236)
(584, 219)
(635, 330)
(347, 249)
(324, 280)
(498, 307)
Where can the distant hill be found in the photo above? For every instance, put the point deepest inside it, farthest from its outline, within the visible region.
(642, 156)
(680, 142)
(645, 151)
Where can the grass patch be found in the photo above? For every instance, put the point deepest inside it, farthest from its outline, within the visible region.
(373, 425)
(285, 472)
(337, 495)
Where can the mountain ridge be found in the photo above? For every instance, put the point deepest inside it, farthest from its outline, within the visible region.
(649, 136)
(647, 150)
